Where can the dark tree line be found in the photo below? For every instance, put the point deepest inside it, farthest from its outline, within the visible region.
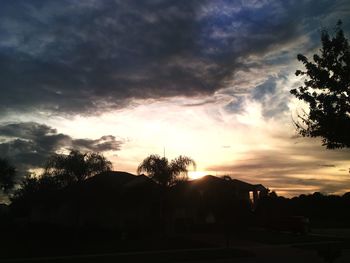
(322, 210)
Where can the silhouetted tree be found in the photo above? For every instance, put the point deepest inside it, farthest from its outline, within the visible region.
(33, 185)
(166, 173)
(60, 171)
(76, 166)
(7, 175)
(326, 90)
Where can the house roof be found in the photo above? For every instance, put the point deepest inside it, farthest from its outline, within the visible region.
(118, 179)
(210, 181)
(111, 178)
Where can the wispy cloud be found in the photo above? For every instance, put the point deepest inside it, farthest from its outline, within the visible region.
(291, 167)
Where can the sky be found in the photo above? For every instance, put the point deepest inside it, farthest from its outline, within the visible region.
(205, 79)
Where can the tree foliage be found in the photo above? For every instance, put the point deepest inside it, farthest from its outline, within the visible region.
(326, 90)
(166, 173)
(7, 175)
(61, 171)
(76, 166)
(36, 186)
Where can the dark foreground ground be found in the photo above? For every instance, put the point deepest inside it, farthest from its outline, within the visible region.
(251, 245)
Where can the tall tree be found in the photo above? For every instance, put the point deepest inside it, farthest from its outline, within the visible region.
(7, 175)
(60, 171)
(326, 90)
(166, 173)
(76, 166)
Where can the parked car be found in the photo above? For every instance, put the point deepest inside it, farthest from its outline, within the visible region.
(294, 224)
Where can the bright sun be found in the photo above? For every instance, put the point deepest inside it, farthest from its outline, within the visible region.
(196, 174)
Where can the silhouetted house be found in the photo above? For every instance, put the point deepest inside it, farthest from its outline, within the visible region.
(212, 200)
(110, 200)
(238, 189)
(130, 203)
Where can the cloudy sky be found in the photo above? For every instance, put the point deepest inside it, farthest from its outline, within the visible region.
(207, 79)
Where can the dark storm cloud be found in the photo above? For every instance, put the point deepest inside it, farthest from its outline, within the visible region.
(89, 56)
(28, 144)
(105, 143)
